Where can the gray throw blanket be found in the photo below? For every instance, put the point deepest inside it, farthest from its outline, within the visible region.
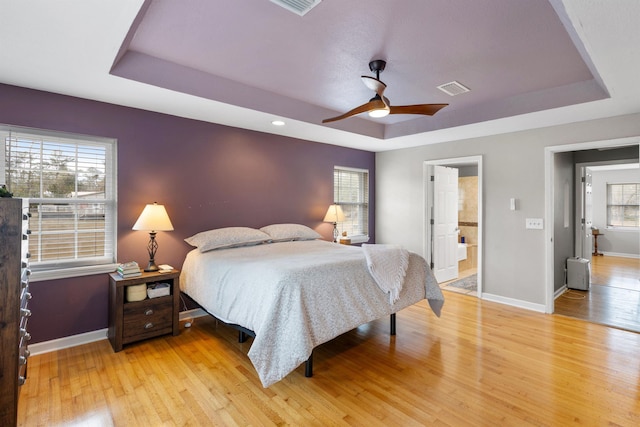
(388, 266)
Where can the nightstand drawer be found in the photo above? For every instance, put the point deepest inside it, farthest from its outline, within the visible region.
(138, 320)
(148, 318)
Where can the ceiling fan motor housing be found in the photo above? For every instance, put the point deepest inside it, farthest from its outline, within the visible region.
(377, 65)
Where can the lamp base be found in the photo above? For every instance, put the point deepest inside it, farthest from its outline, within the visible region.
(151, 267)
(152, 247)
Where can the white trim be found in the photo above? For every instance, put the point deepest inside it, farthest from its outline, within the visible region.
(66, 342)
(548, 201)
(426, 232)
(46, 270)
(93, 336)
(359, 239)
(559, 292)
(347, 168)
(192, 314)
(622, 255)
(64, 273)
(514, 302)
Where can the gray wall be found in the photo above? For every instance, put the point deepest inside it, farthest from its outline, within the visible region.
(513, 166)
(614, 241)
(564, 218)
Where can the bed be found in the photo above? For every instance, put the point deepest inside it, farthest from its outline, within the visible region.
(294, 294)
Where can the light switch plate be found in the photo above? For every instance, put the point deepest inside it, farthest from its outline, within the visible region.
(534, 223)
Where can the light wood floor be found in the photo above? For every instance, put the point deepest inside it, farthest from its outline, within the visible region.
(480, 364)
(614, 297)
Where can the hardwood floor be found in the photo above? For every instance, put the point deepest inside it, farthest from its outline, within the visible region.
(481, 363)
(614, 297)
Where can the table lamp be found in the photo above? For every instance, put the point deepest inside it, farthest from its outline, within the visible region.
(334, 215)
(152, 219)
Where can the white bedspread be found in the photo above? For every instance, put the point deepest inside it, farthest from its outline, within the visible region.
(296, 296)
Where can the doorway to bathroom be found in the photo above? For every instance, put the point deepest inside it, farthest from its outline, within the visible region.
(461, 245)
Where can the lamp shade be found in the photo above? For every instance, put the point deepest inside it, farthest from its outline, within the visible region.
(153, 218)
(334, 214)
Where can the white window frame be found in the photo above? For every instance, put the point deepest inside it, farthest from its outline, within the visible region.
(357, 207)
(610, 205)
(73, 266)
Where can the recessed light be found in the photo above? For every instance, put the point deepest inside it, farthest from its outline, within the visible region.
(277, 123)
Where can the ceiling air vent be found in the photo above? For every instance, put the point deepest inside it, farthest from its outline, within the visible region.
(453, 88)
(299, 7)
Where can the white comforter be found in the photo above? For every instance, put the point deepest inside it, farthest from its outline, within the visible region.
(296, 296)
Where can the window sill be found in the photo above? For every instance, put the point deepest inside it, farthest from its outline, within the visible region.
(359, 239)
(65, 273)
(623, 229)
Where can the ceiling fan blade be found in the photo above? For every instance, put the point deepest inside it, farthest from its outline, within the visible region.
(374, 104)
(424, 109)
(378, 86)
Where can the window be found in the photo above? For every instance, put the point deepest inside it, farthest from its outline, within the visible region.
(351, 192)
(70, 183)
(623, 203)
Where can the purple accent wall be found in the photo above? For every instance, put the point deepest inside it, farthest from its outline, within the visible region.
(207, 175)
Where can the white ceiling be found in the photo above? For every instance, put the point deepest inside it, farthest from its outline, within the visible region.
(529, 64)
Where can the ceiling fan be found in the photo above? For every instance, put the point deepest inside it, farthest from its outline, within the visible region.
(379, 105)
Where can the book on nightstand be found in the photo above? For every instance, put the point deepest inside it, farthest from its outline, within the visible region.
(128, 269)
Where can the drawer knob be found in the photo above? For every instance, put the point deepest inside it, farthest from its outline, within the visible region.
(25, 312)
(21, 380)
(148, 312)
(148, 325)
(27, 295)
(23, 360)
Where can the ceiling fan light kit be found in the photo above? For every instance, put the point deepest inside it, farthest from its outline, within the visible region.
(376, 114)
(379, 105)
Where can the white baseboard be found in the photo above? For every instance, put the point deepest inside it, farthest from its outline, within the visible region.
(93, 336)
(514, 302)
(192, 314)
(559, 292)
(66, 342)
(621, 255)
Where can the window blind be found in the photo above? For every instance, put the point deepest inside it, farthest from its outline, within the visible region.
(70, 184)
(351, 192)
(623, 204)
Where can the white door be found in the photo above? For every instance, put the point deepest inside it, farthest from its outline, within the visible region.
(587, 214)
(445, 223)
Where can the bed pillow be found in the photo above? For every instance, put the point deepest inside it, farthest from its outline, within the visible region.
(229, 237)
(289, 232)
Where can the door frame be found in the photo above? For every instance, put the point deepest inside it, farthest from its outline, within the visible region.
(428, 205)
(549, 153)
(580, 241)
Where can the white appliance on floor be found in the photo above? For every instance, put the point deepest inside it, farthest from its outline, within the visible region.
(578, 273)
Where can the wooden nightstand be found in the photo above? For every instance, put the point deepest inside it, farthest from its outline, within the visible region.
(134, 321)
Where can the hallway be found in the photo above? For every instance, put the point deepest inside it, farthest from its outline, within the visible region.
(614, 298)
